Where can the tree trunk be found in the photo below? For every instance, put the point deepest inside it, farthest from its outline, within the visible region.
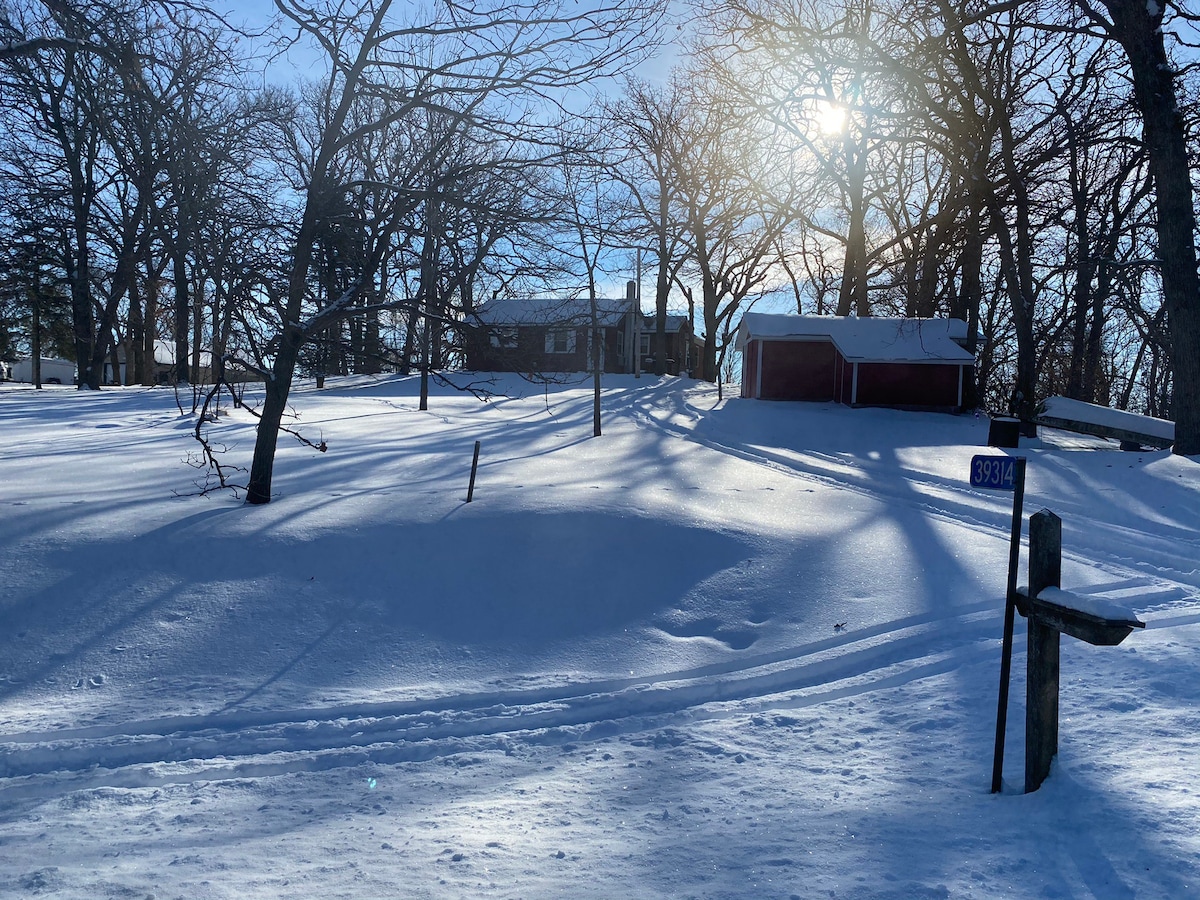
(182, 310)
(1138, 28)
(853, 295)
(663, 286)
(970, 289)
(258, 489)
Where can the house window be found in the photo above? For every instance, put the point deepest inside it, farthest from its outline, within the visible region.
(644, 346)
(504, 337)
(560, 340)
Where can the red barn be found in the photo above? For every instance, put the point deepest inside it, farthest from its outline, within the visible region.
(905, 363)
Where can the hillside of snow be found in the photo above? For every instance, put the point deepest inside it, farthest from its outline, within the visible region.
(729, 649)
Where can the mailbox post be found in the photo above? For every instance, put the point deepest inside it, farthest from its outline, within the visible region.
(1042, 648)
(1052, 612)
(1007, 474)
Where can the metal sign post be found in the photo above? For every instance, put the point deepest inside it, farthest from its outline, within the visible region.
(1005, 473)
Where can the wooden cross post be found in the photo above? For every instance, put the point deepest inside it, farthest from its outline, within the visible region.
(1041, 687)
(1102, 624)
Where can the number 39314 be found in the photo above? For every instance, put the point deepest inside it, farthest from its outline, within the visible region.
(995, 472)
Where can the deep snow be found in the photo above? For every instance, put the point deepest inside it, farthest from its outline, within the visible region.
(729, 649)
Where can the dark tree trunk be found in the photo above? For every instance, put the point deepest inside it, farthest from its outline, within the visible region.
(182, 312)
(853, 294)
(258, 489)
(663, 285)
(1138, 28)
(967, 302)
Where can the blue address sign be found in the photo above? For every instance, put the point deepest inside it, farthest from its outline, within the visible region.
(995, 472)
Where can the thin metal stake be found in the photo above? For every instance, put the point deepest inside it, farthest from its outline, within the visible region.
(1010, 608)
(474, 466)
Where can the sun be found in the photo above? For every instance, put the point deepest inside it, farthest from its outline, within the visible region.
(831, 118)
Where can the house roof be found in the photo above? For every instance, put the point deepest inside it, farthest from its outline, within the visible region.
(674, 322)
(551, 311)
(866, 339)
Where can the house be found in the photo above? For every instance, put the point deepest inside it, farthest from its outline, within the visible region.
(555, 335)
(677, 348)
(163, 371)
(869, 361)
(51, 370)
(548, 335)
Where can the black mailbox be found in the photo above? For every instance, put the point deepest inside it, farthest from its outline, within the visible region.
(1004, 431)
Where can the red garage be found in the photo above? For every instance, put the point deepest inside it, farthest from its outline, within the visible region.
(906, 363)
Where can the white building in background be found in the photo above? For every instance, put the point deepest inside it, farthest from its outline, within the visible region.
(53, 370)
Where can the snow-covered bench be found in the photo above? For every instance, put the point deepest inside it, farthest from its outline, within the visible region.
(1101, 421)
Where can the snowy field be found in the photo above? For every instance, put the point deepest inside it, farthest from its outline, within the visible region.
(730, 649)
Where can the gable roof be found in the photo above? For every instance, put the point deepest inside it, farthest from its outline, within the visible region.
(552, 311)
(866, 339)
(674, 322)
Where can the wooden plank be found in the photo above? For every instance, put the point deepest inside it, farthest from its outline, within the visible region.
(1077, 623)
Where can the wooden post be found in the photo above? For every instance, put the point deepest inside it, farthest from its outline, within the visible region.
(1042, 668)
(1010, 593)
(474, 466)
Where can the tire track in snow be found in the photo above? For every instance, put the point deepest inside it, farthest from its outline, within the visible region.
(876, 639)
(312, 745)
(744, 661)
(852, 654)
(205, 747)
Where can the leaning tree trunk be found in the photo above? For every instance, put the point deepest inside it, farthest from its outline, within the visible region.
(258, 489)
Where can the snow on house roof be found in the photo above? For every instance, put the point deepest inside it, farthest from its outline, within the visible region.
(866, 339)
(674, 322)
(551, 311)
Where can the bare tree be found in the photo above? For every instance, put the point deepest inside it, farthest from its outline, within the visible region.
(1141, 28)
(651, 119)
(490, 66)
(734, 198)
(593, 209)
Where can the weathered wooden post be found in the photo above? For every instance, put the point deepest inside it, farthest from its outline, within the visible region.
(1041, 686)
(1051, 612)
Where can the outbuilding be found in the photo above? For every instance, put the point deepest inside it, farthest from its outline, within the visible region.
(869, 361)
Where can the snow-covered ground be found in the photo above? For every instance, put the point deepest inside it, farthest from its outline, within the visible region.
(729, 649)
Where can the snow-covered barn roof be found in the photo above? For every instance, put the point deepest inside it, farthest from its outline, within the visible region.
(551, 311)
(867, 339)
